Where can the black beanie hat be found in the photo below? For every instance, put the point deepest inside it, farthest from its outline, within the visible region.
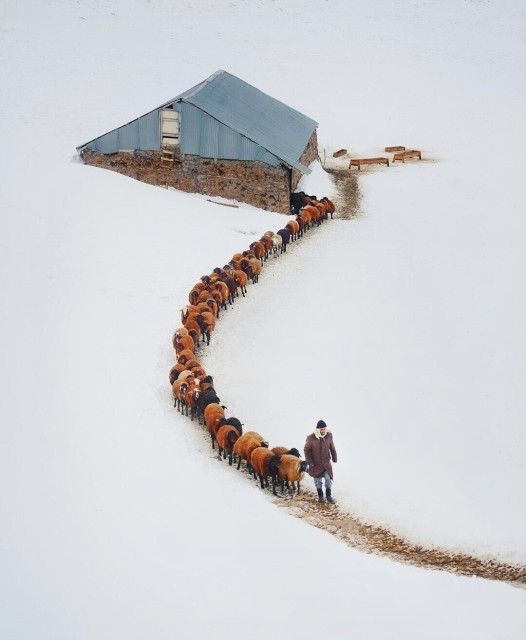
(321, 424)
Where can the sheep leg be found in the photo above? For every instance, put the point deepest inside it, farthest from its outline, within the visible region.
(213, 443)
(261, 482)
(230, 458)
(207, 338)
(274, 485)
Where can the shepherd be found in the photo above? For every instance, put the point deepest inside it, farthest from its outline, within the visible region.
(319, 451)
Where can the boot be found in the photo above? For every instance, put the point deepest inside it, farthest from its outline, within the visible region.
(329, 497)
(320, 496)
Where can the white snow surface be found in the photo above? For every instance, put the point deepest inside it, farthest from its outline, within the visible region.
(403, 329)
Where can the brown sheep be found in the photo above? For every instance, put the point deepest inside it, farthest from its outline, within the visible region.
(258, 249)
(187, 312)
(192, 364)
(266, 241)
(226, 437)
(212, 307)
(190, 399)
(179, 388)
(213, 415)
(279, 451)
(193, 295)
(246, 444)
(329, 205)
(252, 267)
(241, 279)
(175, 372)
(313, 213)
(265, 463)
(291, 469)
(184, 342)
(207, 323)
(222, 288)
(194, 330)
(185, 355)
(294, 228)
(203, 297)
(179, 333)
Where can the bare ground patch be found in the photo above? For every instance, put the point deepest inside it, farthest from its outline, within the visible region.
(349, 196)
(373, 539)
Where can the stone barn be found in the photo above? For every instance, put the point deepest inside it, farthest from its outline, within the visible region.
(222, 137)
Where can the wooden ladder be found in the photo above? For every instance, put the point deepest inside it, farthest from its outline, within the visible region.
(167, 158)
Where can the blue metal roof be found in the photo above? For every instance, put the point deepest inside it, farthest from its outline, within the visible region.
(279, 129)
(223, 117)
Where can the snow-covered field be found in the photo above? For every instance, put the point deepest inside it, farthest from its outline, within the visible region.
(403, 329)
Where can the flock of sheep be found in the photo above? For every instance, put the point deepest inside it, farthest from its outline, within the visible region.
(193, 390)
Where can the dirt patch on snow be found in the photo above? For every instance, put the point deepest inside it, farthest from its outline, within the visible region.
(373, 539)
(349, 196)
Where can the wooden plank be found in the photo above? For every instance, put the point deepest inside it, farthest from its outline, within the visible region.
(391, 149)
(223, 204)
(338, 154)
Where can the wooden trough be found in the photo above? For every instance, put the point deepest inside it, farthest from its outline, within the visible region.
(404, 155)
(393, 149)
(358, 162)
(338, 154)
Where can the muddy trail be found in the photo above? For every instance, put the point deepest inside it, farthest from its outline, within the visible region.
(348, 198)
(373, 539)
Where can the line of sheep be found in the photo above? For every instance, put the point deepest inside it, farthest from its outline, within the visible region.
(192, 388)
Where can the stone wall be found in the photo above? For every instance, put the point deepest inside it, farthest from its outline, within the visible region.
(255, 183)
(309, 155)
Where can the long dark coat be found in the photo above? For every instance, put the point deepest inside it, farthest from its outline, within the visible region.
(318, 454)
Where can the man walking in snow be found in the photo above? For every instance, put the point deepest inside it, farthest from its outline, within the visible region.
(319, 451)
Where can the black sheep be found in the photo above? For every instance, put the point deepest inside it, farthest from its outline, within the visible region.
(285, 237)
(207, 397)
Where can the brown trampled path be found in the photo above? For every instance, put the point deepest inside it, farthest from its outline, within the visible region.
(373, 539)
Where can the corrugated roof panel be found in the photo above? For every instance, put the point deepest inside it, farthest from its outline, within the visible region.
(205, 136)
(229, 143)
(255, 115)
(190, 129)
(108, 143)
(209, 139)
(129, 136)
(149, 131)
